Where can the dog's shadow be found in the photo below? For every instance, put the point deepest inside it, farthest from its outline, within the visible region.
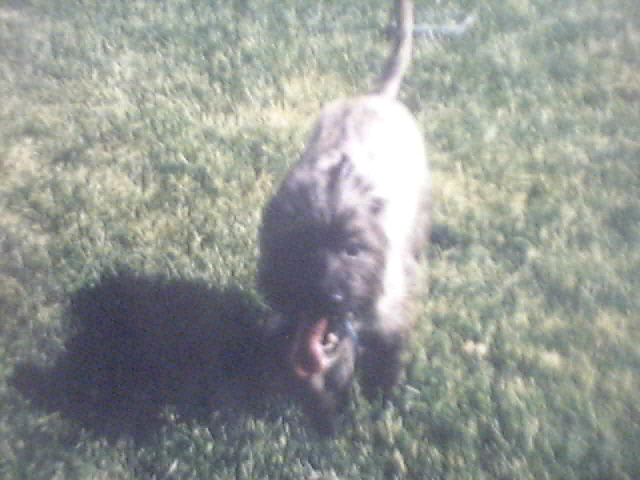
(141, 346)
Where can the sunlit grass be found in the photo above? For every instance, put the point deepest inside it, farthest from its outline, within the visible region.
(151, 133)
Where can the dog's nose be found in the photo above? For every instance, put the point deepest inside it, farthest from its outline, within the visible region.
(335, 303)
(336, 298)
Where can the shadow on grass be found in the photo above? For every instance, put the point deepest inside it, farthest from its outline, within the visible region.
(140, 344)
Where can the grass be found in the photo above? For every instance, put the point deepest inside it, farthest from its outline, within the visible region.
(150, 134)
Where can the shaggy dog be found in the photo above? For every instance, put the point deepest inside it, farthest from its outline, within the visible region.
(341, 239)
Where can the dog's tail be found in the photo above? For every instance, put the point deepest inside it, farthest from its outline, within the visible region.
(397, 64)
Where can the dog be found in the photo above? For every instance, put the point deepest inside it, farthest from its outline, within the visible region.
(341, 240)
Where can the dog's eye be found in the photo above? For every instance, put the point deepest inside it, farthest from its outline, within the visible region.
(353, 249)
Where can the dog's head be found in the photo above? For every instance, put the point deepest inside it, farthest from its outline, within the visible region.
(322, 244)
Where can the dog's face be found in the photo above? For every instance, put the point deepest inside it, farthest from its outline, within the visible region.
(322, 246)
(322, 269)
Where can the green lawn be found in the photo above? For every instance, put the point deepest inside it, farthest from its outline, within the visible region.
(150, 133)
